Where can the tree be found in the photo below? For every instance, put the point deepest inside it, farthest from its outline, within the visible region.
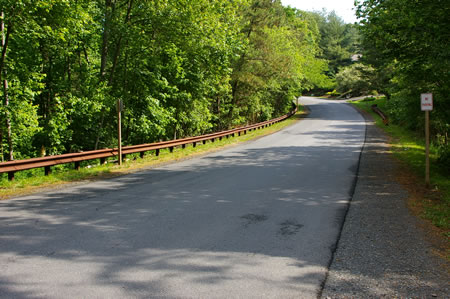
(182, 68)
(338, 40)
(355, 79)
(408, 43)
(279, 57)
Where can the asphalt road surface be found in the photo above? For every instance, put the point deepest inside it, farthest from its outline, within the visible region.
(259, 220)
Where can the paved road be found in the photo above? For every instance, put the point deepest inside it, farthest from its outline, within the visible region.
(256, 220)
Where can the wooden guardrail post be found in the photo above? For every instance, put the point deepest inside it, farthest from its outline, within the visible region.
(11, 176)
(47, 170)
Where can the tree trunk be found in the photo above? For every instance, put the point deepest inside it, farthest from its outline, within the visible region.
(1, 144)
(106, 30)
(5, 39)
(100, 128)
(5, 86)
(109, 11)
(116, 59)
(8, 119)
(119, 43)
(69, 70)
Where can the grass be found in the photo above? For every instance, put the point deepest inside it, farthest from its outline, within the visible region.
(409, 147)
(33, 180)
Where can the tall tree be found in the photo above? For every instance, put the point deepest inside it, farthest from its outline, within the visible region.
(408, 43)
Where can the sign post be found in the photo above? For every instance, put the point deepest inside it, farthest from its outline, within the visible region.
(426, 101)
(119, 130)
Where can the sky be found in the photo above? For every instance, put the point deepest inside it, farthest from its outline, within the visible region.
(343, 8)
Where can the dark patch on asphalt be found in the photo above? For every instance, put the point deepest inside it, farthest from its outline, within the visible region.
(289, 228)
(254, 218)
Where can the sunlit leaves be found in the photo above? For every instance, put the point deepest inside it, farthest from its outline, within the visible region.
(182, 68)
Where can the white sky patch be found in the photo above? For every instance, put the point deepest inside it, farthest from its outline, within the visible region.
(343, 8)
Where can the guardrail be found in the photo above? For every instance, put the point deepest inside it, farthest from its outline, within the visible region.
(381, 114)
(17, 165)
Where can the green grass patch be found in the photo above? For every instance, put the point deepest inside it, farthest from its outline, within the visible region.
(409, 147)
(30, 180)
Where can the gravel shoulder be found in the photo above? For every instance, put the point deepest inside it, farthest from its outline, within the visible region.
(382, 252)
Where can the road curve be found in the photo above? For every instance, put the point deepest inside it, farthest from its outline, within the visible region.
(256, 220)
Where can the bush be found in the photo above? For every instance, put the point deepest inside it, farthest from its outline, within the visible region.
(356, 78)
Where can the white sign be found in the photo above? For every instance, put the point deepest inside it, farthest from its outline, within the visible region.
(426, 101)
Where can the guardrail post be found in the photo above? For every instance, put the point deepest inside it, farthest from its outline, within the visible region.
(11, 176)
(157, 152)
(194, 144)
(142, 154)
(204, 141)
(47, 170)
(245, 132)
(213, 139)
(102, 161)
(239, 133)
(183, 146)
(171, 149)
(77, 165)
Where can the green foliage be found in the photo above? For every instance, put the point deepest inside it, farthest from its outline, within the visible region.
(355, 79)
(181, 68)
(338, 42)
(408, 45)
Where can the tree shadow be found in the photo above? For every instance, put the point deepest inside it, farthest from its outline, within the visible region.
(211, 224)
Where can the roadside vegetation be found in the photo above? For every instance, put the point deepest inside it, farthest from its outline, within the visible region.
(181, 68)
(30, 180)
(409, 147)
(403, 54)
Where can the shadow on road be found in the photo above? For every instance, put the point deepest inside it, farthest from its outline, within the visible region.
(200, 223)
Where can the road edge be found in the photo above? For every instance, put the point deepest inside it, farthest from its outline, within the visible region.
(347, 208)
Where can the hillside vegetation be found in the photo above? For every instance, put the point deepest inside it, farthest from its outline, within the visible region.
(181, 68)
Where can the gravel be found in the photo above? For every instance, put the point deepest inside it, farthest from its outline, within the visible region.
(381, 251)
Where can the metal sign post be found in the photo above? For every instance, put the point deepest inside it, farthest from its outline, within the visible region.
(119, 129)
(426, 101)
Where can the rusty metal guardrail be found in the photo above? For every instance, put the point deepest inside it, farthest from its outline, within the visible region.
(381, 114)
(18, 165)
